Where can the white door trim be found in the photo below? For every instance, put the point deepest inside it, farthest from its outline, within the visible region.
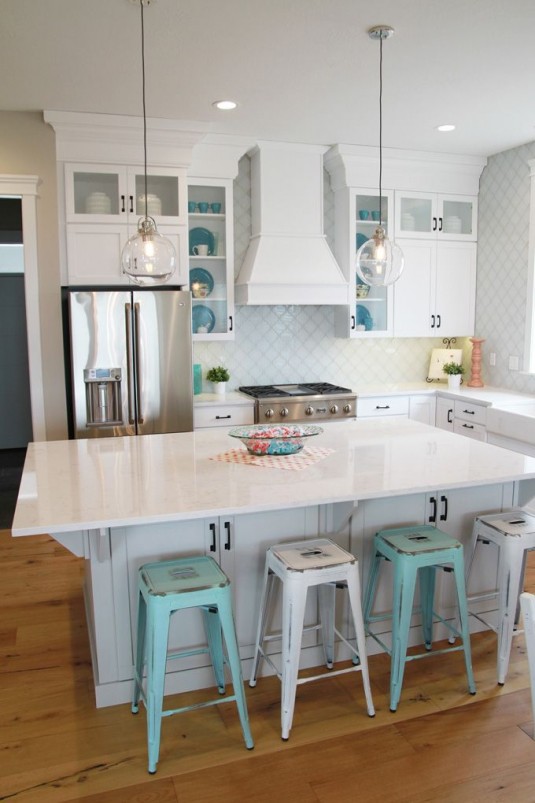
(25, 187)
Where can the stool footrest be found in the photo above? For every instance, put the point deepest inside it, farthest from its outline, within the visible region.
(227, 699)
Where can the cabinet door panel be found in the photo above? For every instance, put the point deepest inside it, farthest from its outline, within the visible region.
(253, 535)
(414, 290)
(94, 253)
(455, 288)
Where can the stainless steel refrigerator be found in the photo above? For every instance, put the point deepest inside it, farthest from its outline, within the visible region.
(130, 361)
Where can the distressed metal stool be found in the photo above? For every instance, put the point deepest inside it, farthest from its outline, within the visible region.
(300, 566)
(165, 588)
(513, 533)
(416, 551)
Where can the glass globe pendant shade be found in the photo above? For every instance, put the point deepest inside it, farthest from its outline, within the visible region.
(148, 258)
(379, 261)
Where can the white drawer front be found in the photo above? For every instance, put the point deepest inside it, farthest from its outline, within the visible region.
(475, 413)
(230, 415)
(476, 431)
(382, 406)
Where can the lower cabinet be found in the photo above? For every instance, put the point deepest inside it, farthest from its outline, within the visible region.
(239, 544)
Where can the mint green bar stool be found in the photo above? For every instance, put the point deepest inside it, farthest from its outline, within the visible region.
(416, 551)
(165, 588)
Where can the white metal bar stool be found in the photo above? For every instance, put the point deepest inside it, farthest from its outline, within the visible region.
(513, 532)
(300, 566)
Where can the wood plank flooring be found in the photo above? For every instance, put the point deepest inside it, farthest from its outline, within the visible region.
(55, 746)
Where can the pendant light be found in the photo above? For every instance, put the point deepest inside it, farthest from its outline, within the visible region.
(147, 258)
(379, 261)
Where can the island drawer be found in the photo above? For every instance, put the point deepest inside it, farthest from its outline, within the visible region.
(476, 431)
(224, 415)
(382, 406)
(475, 413)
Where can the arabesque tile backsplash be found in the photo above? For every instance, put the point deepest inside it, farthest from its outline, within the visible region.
(297, 343)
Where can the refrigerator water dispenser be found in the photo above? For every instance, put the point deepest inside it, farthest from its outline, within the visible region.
(103, 396)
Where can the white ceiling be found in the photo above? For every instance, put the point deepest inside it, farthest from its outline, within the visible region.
(301, 70)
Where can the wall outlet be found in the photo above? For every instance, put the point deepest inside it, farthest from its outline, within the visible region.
(513, 363)
(492, 358)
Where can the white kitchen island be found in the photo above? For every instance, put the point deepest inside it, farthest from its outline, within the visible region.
(120, 502)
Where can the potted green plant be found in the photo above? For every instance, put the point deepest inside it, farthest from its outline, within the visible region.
(219, 376)
(454, 372)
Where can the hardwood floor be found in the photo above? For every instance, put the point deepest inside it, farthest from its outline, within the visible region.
(441, 745)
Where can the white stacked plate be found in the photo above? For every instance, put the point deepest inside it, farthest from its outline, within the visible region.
(452, 225)
(154, 205)
(98, 203)
(407, 222)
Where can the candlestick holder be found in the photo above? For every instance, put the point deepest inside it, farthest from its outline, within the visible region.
(475, 377)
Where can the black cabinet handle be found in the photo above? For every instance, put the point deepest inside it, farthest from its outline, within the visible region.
(353, 323)
(432, 321)
(450, 413)
(439, 321)
(468, 426)
(382, 407)
(434, 224)
(220, 417)
(433, 516)
(231, 323)
(227, 528)
(444, 514)
(469, 412)
(440, 224)
(213, 544)
(123, 205)
(131, 203)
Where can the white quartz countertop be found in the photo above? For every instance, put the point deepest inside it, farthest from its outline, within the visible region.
(488, 396)
(109, 482)
(232, 397)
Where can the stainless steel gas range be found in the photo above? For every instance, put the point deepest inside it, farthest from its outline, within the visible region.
(310, 401)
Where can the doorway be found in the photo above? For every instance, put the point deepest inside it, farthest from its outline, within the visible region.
(15, 394)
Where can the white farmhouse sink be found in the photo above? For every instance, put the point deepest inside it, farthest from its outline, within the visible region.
(516, 422)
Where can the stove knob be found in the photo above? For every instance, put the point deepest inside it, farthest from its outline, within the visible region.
(269, 413)
(309, 411)
(347, 408)
(334, 409)
(283, 412)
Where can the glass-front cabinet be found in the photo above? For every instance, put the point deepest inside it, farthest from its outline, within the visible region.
(431, 216)
(357, 216)
(110, 194)
(211, 258)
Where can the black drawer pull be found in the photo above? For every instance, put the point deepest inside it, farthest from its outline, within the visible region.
(468, 426)
(470, 412)
(221, 417)
(382, 407)
(213, 544)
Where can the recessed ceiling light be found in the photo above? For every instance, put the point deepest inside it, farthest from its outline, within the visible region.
(447, 127)
(224, 105)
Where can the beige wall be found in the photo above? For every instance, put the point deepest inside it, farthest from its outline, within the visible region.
(27, 147)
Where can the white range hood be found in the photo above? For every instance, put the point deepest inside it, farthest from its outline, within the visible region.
(288, 260)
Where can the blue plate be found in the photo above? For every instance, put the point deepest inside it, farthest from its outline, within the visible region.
(364, 318)
(202, 316)
(200, 236)
(361, 239)
(201, 282)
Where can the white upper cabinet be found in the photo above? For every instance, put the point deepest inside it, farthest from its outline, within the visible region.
(357, 216)
(435, 294)
(211, 257)
(432, 216)
(108, 193)
(101, 180)
(433, 220)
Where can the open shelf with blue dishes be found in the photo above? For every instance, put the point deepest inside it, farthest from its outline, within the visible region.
(358, 215)
(210, 248)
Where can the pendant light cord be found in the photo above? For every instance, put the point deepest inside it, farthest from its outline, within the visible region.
(380, 130)
(144, 103)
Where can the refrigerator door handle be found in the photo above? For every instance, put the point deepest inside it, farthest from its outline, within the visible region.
(137, 325)
(129, 365)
